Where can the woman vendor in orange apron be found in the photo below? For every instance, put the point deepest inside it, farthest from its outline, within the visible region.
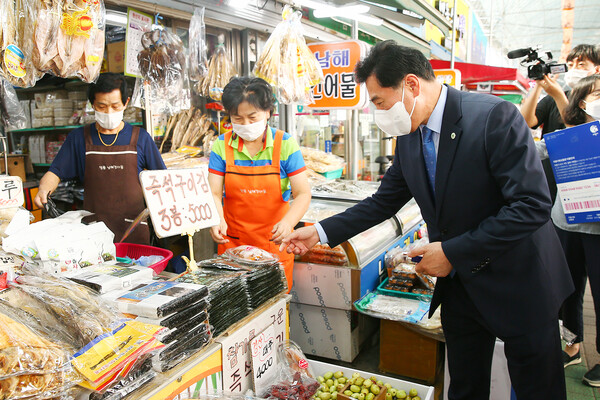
(261, 169)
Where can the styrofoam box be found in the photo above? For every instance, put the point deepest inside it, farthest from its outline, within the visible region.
(425, 392)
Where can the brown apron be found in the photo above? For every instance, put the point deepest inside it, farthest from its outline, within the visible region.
(112, 188)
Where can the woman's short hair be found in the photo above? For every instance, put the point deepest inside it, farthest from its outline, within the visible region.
(255, 91)
(574, 115)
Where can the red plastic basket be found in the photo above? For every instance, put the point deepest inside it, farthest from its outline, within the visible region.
(135, 251)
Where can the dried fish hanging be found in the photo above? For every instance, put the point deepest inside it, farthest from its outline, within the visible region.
(220, 72)
(198, 62)
(163, 66)
(287, 63)
(16, 45)
(186, 128)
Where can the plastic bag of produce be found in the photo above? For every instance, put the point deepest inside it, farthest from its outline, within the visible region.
(12, 115)
(198, 61)
(17, 42)
(295, 378)
(287, 63)
(220, 71)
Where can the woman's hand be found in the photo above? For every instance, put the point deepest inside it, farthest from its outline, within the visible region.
(218, 232)
(280, 230)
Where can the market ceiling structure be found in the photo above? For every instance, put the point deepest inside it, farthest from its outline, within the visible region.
(515, 24)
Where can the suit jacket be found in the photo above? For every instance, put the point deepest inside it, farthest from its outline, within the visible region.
(491, 212)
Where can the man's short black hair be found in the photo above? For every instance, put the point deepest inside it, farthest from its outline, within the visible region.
(255, 91)
(390, 63)
(106, 83)
(585, 52)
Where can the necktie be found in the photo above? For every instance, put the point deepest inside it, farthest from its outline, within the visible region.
(430, 156)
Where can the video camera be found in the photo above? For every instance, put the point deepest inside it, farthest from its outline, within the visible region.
(537, 68)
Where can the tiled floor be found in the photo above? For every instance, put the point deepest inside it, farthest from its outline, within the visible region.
(576, 390)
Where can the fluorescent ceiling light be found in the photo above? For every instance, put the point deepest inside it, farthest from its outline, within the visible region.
(354, 11)
(238, 3)
(116, 18)
(341, 11)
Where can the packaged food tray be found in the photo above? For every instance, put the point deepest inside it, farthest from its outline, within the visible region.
(397, 293)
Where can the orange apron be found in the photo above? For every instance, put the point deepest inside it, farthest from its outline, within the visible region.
(253, 204)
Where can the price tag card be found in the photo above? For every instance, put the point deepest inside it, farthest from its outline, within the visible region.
(263, 348)
(11, 192)
(179, 200)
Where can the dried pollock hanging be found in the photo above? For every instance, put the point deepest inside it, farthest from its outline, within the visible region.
(47, 25)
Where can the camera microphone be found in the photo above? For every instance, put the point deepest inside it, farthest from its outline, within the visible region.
(519, 53)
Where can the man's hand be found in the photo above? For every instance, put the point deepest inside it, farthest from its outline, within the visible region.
(551, 86)
(41, 198)
(280, 230)
(218, 232)
(300, 241)
(434, 262)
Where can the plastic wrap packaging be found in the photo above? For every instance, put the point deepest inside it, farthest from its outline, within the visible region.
(156, 299)
(251, 255)
(295, 380)
(12, 115)
(228, 301)
(394, 308)
(137, 378)
(69, 38)
(323, 254)
(16, 42)
(321, 162)
(106, 277)
(180, 350)
(13, 220)
(198, 61)
(192, 312)
(287, 63)
(163, 67)
(220, 71)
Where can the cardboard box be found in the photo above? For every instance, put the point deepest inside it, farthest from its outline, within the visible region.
(16, 165)
(339, 287)
(405, 352)
(237, 357)
(330, 332)
(425, 392)
(116, 57)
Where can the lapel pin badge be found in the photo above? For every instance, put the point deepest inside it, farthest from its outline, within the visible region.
(453, 136)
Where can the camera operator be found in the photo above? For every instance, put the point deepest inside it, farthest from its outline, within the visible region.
(583, 60)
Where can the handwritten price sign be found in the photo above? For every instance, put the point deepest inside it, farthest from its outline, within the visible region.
(179, 200)
(11, 192)
(263, 360)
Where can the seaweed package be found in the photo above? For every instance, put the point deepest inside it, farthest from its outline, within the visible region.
(197, 48)
(17, 42)
(287, 63)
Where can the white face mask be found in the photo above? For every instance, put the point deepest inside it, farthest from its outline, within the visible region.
(109, 120)
(250, 132)
(395, 121)
(575, 75)
(592, 109)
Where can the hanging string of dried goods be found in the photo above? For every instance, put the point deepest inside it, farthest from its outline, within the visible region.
(220, 72)
(287, 63)
(163, 66)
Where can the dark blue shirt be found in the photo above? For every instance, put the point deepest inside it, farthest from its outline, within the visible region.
(70, 160)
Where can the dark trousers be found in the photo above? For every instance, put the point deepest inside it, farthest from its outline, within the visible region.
(582, 251)
(534, 359)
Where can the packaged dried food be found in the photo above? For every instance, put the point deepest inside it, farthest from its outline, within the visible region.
(321, 162)
(12, 115)
(402, 282)
(403, 270)
(156, 299)
(294, 380)
(17, 42)
(287, 63)
(175, 321)
(428, 281)
(106, 277)
(250, 255)
(220, 71)
(323, 254)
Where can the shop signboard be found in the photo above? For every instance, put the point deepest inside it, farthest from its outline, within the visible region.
(179, 200)
(575, 158)
(339, 88)
(451, 77)
(138, 23)
(11, 191)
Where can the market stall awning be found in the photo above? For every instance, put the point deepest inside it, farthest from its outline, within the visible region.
(485, 78)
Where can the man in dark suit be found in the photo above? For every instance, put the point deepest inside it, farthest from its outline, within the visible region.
(470, 162)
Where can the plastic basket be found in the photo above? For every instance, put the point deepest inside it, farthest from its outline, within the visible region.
(336, 173)
(135, 251)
